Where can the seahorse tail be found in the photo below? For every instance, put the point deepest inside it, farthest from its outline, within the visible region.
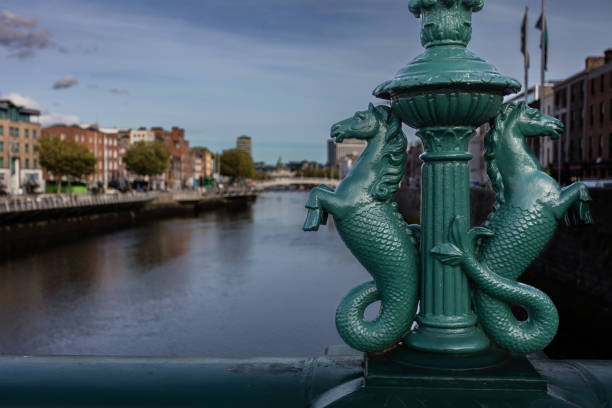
(393, 322)
(492, 300)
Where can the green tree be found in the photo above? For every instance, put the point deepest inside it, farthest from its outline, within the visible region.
(65, 158)
(147, 159)
(237, 164)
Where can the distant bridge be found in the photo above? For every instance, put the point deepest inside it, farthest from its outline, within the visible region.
(296, 181)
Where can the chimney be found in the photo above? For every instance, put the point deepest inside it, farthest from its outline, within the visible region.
(608, 55)
(594, 62)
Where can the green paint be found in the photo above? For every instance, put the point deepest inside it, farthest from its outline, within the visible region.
(446, 93)
(368, 220)
(527, 211)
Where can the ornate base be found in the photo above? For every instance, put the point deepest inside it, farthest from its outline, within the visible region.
(493, 369)
(449, 341)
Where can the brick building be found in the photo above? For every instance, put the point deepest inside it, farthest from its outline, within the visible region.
(583, 102)
(18, 148)
(103, 144)
(179, 171)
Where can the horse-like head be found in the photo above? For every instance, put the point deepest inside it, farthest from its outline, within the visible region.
(532, 122)
(363, 124)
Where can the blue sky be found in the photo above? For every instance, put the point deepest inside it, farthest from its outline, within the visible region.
(281, 71)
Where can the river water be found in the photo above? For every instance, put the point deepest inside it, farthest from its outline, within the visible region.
(225, 284)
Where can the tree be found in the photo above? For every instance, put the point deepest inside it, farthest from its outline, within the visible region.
(65, 158)
(147, 159)
(237, 164)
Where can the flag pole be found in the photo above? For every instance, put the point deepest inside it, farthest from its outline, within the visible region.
(526, 56)
(543, 53)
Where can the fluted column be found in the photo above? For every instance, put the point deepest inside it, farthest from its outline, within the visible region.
(446, 320)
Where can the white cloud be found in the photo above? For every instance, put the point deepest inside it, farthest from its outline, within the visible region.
(51, 118)
(21, 100)
(46, 118)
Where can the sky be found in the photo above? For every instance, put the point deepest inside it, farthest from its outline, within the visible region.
(280, 71)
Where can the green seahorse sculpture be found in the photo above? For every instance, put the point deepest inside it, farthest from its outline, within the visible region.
(526, 214)
(368, 221)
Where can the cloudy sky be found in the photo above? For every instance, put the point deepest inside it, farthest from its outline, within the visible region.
(281, 71)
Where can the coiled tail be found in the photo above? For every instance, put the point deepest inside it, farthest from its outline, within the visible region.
(393, 322)
(384, 244)
(497, 293)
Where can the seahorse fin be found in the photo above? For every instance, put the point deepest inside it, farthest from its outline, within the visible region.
(449, 254)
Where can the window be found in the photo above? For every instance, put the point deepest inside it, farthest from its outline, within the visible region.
(27, 148)
(602, 113)
(2, 162)
(601, 83)
(33, 133)
(35, 148)
(27, 163)
(16, 132)
(1, 146)
(592, 115)
(600, 146)
(62, 136)
(1, 130)
(35, 164)
(593, 86)
(26, 133)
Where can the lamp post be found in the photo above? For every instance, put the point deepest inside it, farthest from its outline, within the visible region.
(445, 93)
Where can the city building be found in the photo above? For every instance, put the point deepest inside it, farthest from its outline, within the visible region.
(478, 168)
(141, 134)
(103, 143)
(346, 165)
(19, 167)
(179, 171)
(337, 151)
(413, 166)
(244, 143)
(201, 165)
(583, 102)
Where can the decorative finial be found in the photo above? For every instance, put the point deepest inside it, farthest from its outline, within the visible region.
(445, 22)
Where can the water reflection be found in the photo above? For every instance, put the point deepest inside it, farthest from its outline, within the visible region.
(227, 283)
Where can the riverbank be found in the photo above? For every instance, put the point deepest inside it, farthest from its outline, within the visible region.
(24, 234)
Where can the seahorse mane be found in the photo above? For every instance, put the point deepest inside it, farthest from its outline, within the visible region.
(492, 143)
(393, 155)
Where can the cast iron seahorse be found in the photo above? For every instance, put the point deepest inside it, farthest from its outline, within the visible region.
(526, 214)
(371, 226)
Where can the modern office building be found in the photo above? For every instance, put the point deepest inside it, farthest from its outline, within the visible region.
(19, 167)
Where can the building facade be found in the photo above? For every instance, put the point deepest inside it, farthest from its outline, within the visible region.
(179, 171)
(19, 163)
(244, 143)
(103, 143)
(201, 165)
(141, 134)
(583, 102)
(337, 151)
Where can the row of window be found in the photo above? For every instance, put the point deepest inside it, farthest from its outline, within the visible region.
(107, 142)
(15, 147)
(602, 113)
(13, 131)
(26, 163)
(602, 83)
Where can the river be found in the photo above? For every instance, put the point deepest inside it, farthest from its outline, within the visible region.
(224, 284)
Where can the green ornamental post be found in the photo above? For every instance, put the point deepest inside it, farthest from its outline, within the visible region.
(463, 280)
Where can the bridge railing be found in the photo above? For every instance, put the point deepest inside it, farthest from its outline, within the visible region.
(62, 201)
